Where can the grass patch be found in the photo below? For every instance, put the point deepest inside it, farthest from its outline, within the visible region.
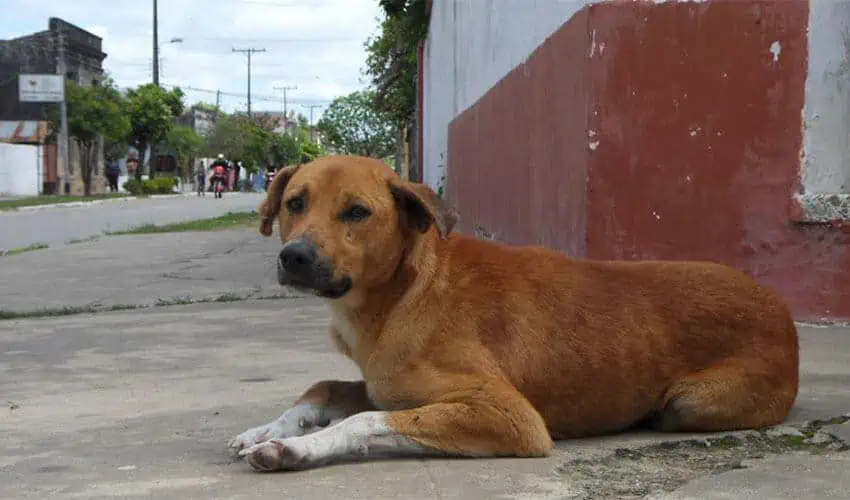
(20, 250)
(34, 201)
(230, 220)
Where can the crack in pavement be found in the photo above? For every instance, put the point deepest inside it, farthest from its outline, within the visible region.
(648, 471)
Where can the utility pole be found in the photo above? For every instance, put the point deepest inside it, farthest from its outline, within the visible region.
(285, 115)
(312, 107)
(217, 102)
(63, 110)
(152, 146)
(250, 52)
(155, 46)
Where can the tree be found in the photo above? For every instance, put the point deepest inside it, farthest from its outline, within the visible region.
(309, 151)
(391, 57)
(353, 126)
(228, 137)
(151, 110)
(185, 144)
(93, 113)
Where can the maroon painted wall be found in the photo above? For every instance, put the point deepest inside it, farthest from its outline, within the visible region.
(680, 139)
(523, 149)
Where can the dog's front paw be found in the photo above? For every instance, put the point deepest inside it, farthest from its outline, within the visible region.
(257, 435)
(295, 422)
(275, 455)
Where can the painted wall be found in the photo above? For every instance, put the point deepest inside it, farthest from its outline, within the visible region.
(827, 161)
(20, 170)
(659, 130)
(472, 45)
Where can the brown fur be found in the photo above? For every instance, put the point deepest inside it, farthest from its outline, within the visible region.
(486, 349)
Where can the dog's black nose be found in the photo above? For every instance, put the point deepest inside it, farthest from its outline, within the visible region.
(298, 257)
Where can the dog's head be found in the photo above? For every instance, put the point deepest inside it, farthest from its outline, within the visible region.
(346, 223)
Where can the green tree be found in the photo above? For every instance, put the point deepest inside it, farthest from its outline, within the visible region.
(151, 110)
(95, 113)
(391, 57)
(228, 137)
(309, 151)
(353, 126)
(185, 144)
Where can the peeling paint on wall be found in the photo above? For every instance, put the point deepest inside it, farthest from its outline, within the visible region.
(775, 49)
(701, 152)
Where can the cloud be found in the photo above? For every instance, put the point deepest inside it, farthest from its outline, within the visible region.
(316, 45)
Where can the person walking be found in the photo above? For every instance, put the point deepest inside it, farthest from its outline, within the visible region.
(201, 178)
(113, 171)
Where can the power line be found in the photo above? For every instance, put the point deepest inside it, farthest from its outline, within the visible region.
(253, 39)
(255, 97)
(280, 4)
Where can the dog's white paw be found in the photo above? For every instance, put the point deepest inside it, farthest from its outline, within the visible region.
(295, 422)
(277, 454)
(256, 435)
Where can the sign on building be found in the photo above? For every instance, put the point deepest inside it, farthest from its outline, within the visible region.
(41, 88)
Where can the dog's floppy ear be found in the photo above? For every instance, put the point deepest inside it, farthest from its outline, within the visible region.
(270, 207)
(422, 207)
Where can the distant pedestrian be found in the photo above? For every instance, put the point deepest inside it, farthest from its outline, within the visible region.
(201, 177)
(237, 168)
(113, 172)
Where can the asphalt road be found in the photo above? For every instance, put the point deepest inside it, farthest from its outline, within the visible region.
(57, 225)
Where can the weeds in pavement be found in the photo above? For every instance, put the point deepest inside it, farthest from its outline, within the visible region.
(230, 220)
(228, 297)
(20, 250)
(63, 311)
(175, 301)
(162, 302)
(32, 201)
(90, 239)
(44, 313)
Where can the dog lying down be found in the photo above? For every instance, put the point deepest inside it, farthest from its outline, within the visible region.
(477, 349)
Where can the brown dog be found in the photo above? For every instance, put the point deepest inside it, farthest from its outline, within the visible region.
(472, 348)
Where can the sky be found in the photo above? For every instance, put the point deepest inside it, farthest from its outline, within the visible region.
(314, 45)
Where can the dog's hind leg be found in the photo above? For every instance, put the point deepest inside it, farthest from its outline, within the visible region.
(320, 405)
(501, 423)
(728, 396)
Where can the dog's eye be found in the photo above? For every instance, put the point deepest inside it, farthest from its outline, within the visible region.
(355, 213)
(295, 205)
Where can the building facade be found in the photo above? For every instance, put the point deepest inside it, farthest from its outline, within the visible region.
(711, 130)
(38, 53)
(201, 120)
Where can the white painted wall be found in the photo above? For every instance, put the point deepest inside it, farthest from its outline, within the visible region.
(20, 170)
(471, 46)
(826, 168)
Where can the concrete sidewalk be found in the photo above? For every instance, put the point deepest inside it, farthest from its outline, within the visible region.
(139, 404)
(142, 270)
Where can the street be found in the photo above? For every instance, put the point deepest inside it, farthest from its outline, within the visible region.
(57, 225)
(173, 343)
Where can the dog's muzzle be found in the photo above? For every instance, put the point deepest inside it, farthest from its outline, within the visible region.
(300, 266)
